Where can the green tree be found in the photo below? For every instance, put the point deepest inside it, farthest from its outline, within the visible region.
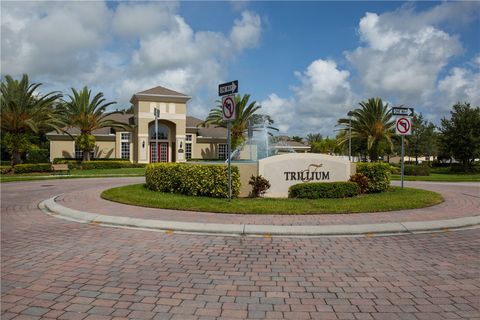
(313, 137)
(87, 113)
(372, 128)
(423, 140)
(460, 135)
(297, 139)
(328, 146)
(245, 114)
(24, 114)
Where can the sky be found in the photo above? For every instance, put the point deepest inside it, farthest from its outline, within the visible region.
(306, 63)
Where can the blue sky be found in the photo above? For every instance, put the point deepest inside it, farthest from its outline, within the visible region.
(306, 63)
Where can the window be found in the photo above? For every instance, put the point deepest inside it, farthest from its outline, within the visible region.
(222, 151)
(188, 147)
(79, 153)
(162, 132)
(125, 145)
(125, 150)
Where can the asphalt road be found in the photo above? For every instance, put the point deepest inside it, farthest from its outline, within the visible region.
(52, 268)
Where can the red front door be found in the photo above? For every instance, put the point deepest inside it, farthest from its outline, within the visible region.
(163, 147)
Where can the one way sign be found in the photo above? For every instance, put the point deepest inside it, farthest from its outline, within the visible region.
(399, 111)
(228, 88)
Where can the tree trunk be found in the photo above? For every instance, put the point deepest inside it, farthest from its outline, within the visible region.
(86, 155)
(16, 157)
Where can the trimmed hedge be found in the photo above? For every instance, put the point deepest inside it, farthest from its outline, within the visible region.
(207, 180)
(5, 169)
(421, 170)
(66, 160)
(32, 167)
(318, 190)
(38, 156)
(378, 175)
(106, 164)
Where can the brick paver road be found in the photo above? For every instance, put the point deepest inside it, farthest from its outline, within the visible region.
(52, 268)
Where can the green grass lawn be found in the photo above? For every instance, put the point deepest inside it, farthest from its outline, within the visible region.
(396, 199)
(94, 173)
(442, 177)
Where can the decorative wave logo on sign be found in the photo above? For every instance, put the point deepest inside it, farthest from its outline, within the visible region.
(312, 173)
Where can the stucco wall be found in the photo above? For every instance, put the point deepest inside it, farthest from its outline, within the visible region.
(62, 149)
(105, 149)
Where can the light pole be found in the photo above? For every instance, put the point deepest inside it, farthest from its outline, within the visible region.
(350, 114)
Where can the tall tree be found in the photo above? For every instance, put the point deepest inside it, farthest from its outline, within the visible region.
(87, 113)
(297, 139)
(328, 146)
(246, 112)
(25, 113)
(423, 140)
(313, 137)
(372, 128)
(460, 135)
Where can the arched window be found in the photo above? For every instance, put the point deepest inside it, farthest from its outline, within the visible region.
(162, 132)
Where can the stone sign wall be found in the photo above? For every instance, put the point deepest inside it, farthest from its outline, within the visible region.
(286, 170)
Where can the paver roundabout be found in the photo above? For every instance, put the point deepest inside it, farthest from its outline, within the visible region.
(54, 268)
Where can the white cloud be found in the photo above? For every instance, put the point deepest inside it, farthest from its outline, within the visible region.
(54, 39)
(461, 85)
(323, 96)
(144, 18)
(187, 60)
(246, 32)
(400, 62)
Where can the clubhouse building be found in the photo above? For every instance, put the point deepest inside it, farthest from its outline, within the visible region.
(180, 138)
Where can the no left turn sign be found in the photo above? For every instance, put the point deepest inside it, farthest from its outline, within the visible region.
(228, 107)
(403, 126)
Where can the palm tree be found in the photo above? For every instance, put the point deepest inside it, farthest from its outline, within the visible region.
(245, 115)
(88, 114)
(25, 112)
(372, 128)
(314, 137)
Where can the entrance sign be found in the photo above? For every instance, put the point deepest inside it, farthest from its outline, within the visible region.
(399, 111)
(228, 108)
(285, 170)
(228, 88)
(403, 126)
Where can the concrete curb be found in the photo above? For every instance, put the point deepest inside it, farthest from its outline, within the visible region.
(50, 206)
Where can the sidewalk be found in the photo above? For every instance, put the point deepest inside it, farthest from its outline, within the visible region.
(460, 209)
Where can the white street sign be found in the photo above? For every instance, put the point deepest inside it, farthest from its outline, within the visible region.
(228, 107)
(400, 111)
(403, 126)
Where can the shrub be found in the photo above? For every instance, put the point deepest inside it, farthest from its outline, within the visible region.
(259, 184)
(411, 170)
(36, 155)
(361, 180)
(192, 179)
(378, 175)
(105, 164)
(318, 190)
(32, 167)
(5, 169)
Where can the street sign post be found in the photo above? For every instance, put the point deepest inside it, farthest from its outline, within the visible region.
(403, 127)
(156, 112)
(228, 88)
(227, 92)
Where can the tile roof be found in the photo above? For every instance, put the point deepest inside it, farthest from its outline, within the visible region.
(161, 91)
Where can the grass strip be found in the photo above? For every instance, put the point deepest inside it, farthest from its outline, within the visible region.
(395, 199)
(442, 177)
